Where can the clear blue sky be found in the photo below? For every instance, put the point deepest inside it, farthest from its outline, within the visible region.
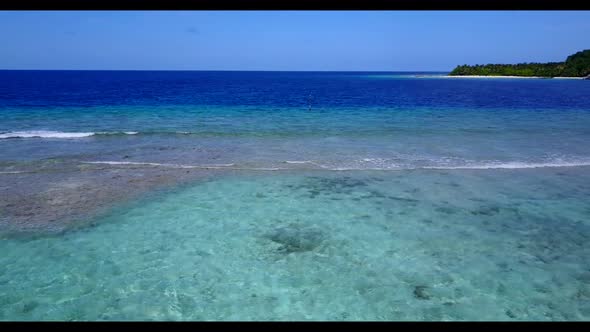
(286, 40)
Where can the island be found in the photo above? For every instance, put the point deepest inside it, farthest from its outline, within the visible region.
(576, 65)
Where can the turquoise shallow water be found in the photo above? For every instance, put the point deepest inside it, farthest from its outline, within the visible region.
(364, 245)
(328, 196)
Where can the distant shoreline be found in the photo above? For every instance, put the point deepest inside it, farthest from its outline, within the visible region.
(496, 76)
(501, 76)
(575, 66)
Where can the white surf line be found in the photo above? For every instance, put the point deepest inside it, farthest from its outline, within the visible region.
(515, 165)
(45, 134)
(60, 134)
(299, 161)
(474, 167)
(114, 133)
(340, 169)
(32, 171)
(214, 166)
(511, 166)
(306, 162)
(231, 166)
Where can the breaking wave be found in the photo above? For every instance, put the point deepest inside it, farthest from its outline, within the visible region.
(59, 134)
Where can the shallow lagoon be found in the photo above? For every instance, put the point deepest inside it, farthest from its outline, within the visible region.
(317, 245)
(150, 195)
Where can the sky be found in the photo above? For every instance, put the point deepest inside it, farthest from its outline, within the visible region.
(286, 40)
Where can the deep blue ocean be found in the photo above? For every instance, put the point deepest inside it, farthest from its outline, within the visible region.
(329, 196)
(50, 89)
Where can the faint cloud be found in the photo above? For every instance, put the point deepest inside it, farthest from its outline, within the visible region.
(192, 30)
(566, 26)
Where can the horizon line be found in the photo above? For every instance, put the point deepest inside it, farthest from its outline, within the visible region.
(239, 70)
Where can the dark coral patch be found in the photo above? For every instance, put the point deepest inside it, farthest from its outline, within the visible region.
(297, 238)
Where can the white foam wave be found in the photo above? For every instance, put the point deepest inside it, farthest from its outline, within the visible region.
(124, 163)
(222, 165)
(298, 162)
(386, 164)
(117, 133)
(303, 162)
(483, 166)
(512, 165)
(382, 165)
(43, 134)
(364, 168)
(58, 134)
(208, 166)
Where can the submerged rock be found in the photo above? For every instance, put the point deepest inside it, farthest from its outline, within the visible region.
(297, 238)
(403, 199)
(69, 196)
(421, 292)
(446, 210)
(486, 211)
(327, 185)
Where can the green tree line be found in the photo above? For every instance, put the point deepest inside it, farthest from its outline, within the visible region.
(576, 65)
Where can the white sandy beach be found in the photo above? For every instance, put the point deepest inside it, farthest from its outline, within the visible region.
(482, 76)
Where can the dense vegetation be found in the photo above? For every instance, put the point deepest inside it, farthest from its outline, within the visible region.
(576, 65)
